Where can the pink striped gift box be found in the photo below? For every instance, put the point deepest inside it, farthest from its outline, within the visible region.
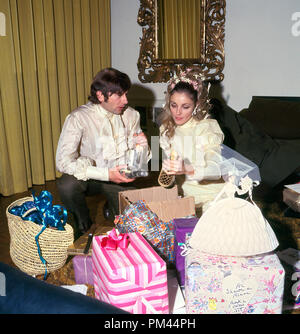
(132, 278)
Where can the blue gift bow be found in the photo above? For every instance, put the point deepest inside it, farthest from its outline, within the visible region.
(42, 212)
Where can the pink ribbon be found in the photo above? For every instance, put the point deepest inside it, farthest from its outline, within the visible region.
(113, 240)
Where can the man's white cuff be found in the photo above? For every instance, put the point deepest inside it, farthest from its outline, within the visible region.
(97, 173)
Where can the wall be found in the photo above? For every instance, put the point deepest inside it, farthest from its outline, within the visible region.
(126, 34)
(262, 48)
(262, 54)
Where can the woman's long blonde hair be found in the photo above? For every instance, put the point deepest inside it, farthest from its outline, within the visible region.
(188, 82)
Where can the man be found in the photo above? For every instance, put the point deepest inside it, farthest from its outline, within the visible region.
(94, 146)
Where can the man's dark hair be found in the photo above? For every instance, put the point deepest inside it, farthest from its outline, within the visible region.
(109, 81)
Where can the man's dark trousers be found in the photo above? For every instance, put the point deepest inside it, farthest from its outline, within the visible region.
(73, 194)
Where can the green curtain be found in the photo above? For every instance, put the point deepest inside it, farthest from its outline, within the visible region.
(49, 55)
(179, 28)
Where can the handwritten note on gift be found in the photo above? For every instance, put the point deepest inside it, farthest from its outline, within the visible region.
(238, 292)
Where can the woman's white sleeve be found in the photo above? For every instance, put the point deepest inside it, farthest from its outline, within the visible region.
(208, 155)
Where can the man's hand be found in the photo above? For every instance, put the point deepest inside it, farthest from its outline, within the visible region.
(117, 177)
(140, 139)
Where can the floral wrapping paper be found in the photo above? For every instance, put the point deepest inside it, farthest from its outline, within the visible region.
(137, 217)
(227, 285)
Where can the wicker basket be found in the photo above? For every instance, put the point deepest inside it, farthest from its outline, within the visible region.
(23, 248)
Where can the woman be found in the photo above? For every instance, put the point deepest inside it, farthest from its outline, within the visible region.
(187, 131)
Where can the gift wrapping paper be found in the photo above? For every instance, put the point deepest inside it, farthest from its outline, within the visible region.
(137, 217)
(83, 269)
(133, 278)
(228, 285)
(182, 226)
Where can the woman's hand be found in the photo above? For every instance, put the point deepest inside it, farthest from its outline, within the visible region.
(173, 167)
(177, 167)
(116, 176)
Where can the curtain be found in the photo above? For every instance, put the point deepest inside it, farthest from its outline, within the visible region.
(50, 52)
(179, 28)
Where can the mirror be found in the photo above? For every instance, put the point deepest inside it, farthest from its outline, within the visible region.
(179, 29)
(180, 34)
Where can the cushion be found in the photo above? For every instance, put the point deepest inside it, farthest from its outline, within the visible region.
(254, 144)
(278, 118)
(23, 294)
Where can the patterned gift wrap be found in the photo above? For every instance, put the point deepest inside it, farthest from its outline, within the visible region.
(133, 278)
(137, 217)
(228, 285)
(182, 227)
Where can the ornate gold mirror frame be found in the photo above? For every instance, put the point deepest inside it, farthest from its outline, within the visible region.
(211, 61)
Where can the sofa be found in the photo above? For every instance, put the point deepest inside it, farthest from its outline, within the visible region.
(278, 117)
(266, 132)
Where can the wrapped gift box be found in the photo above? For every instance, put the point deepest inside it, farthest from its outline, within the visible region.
(182, 227)
(163, 201)
(228, 285)
(176, 298)
(83, 269)
(292, 199)
(137, 217)
(133, 278)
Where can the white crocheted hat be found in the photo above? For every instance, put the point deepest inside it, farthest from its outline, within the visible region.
(233, 227)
